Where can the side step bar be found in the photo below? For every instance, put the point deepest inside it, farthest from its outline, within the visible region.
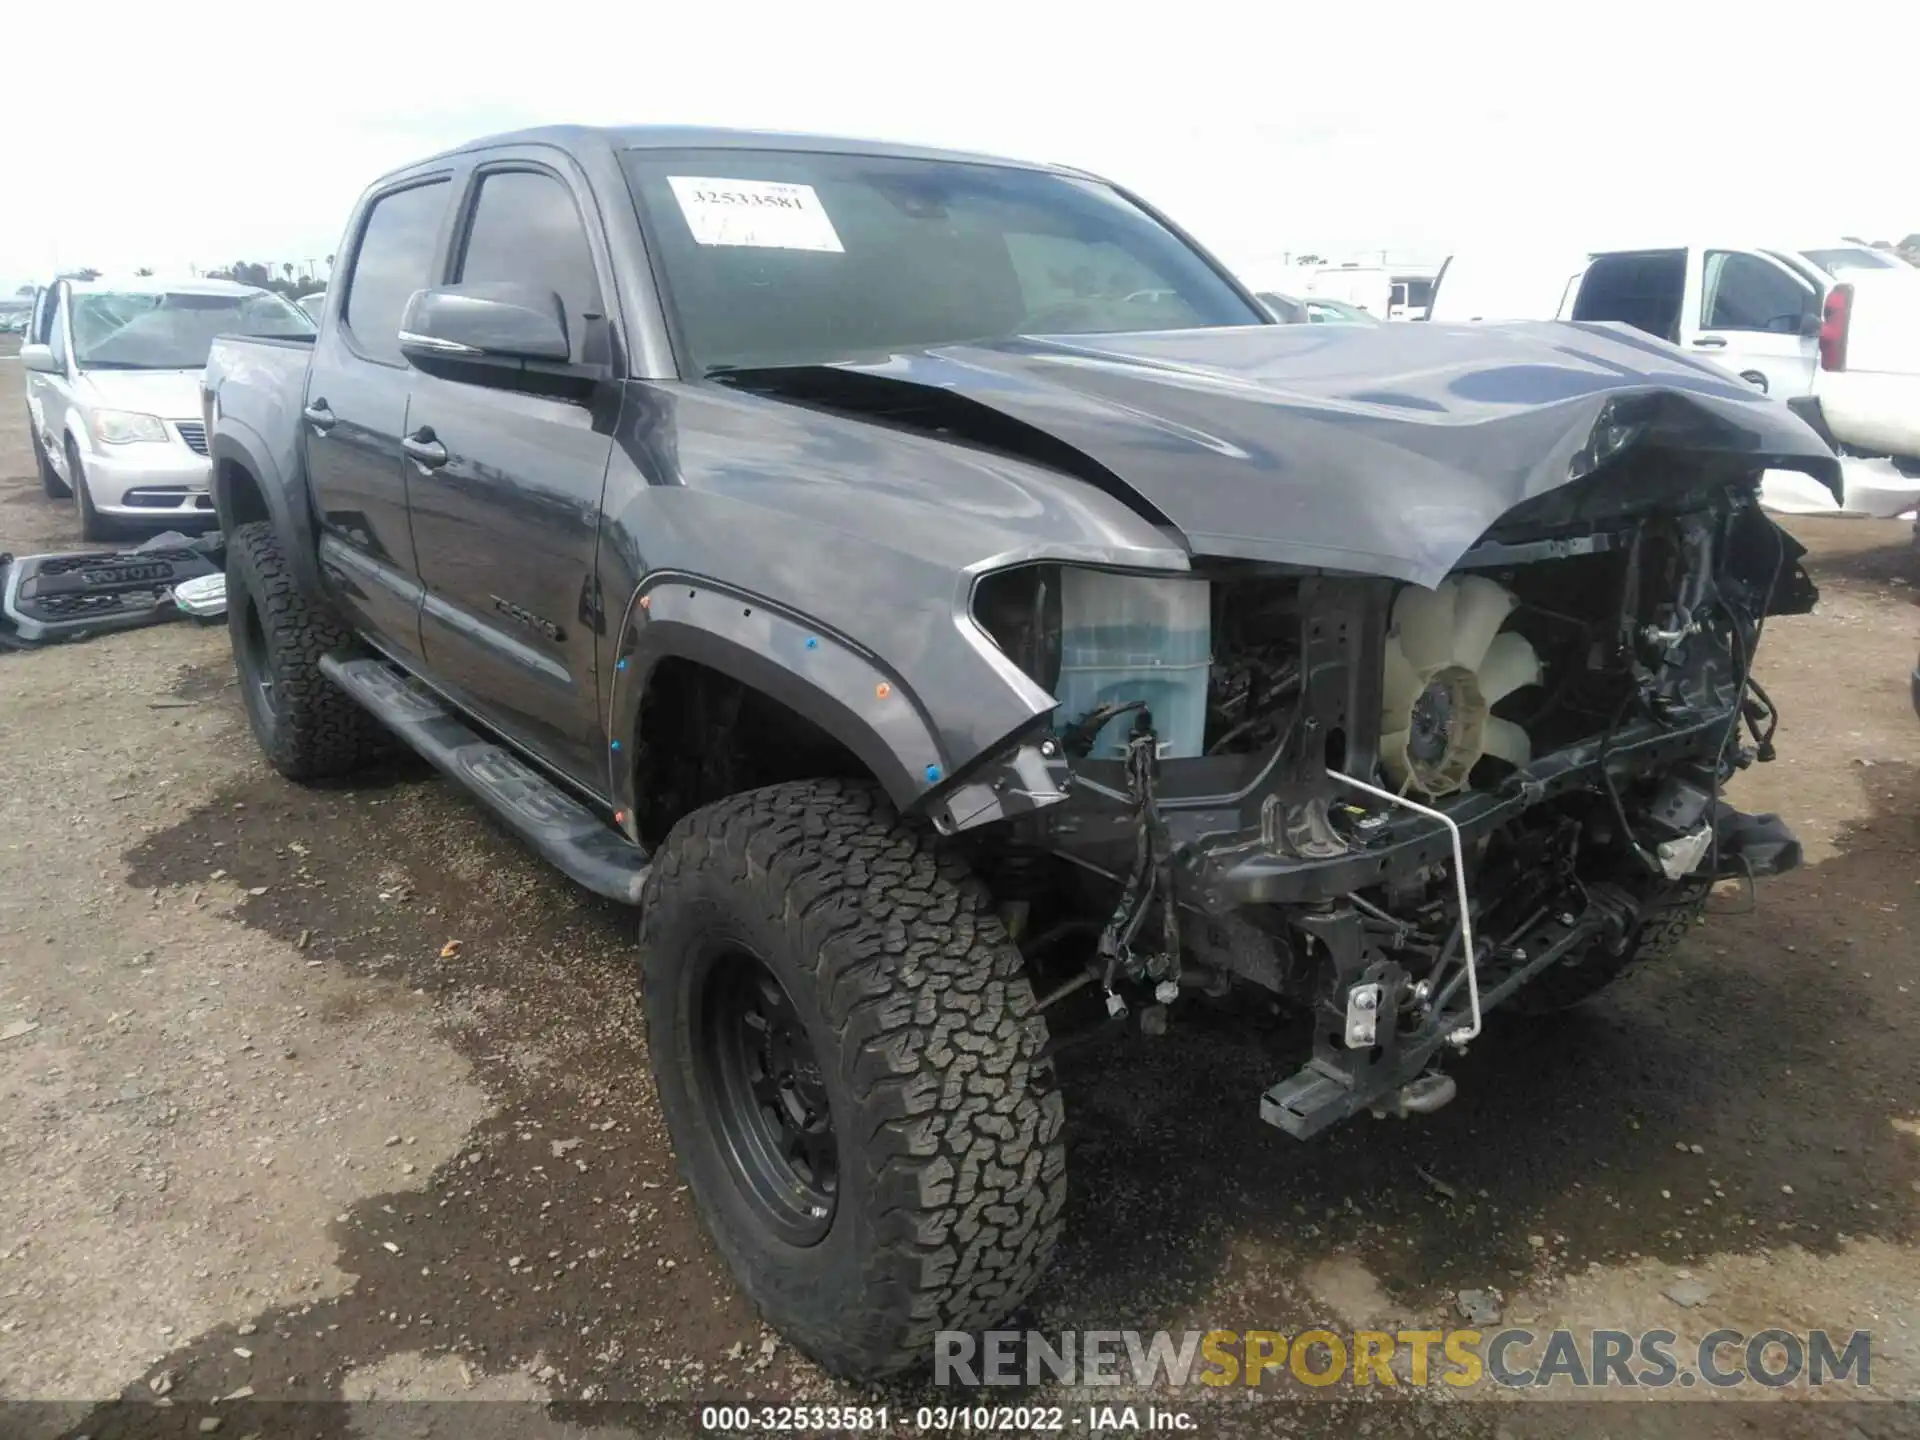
(565, 832)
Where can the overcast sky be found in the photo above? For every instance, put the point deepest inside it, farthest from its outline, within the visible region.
(211, 132)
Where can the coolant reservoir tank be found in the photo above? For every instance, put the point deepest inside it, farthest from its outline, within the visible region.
(1133, 637)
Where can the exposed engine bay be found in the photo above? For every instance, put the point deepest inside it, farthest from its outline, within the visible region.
(1398, 806)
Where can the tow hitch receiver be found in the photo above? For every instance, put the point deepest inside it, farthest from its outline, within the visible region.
(1377, 1033)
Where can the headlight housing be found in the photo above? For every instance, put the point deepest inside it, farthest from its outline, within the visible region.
(1097, 639)
(127, 427)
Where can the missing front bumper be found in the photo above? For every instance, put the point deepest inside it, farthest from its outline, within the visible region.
(1396, 1074)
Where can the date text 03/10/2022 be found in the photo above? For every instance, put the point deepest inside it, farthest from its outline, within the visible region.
(943, 1419)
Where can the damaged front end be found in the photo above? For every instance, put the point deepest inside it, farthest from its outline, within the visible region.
(1396, 806)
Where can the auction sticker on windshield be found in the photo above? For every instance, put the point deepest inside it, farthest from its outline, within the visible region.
(771, 214)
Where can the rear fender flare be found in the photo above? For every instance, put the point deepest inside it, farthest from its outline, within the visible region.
(235, 444)
(808, 668)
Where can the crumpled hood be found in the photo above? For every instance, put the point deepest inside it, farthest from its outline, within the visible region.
(1382, 449)
(170, 394)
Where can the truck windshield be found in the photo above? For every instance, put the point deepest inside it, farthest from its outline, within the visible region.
(152, 330)
(1853, 257)
(788, 258)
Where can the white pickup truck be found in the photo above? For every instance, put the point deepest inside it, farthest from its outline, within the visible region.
(1834, 330)
(1868, 377)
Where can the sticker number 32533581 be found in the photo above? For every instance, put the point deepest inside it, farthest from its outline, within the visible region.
(767, 213)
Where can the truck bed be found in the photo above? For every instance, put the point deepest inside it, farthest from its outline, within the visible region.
(257, 387)
(1873, 405)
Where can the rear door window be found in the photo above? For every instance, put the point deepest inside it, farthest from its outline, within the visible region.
(1643, 289)
(394, 259)
(1747, 292)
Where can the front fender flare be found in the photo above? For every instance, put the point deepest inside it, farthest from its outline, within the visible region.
(846, 691)
(236, 444)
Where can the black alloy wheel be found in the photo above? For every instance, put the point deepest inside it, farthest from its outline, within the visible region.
(765, 1097)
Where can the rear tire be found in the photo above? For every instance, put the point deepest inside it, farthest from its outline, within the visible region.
(308, 727)
(50, 481)
(839, 1023)
(93, 525)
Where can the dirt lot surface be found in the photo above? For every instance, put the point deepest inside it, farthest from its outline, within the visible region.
(338, 1093)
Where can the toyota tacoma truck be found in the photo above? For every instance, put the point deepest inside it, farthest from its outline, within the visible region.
(936, 596)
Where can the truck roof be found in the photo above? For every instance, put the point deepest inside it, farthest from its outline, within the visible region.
(700, 137)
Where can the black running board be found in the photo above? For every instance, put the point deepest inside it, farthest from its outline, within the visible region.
(568, 834)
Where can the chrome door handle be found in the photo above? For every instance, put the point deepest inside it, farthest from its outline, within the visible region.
(319, 416)
(1716, 341)
(427, 452)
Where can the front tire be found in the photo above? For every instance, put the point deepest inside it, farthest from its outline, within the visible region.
(50, 481)
(93, 525)
(309, 728)
(1575, 981)
(853, 1071)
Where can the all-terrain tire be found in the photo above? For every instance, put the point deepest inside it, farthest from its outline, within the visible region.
(50, 481)
(309, 728)
(1574, 981)
(945, 1116)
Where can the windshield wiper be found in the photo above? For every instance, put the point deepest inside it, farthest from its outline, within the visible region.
(127, 365)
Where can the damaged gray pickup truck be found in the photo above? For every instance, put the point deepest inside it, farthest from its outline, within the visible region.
(936, 595)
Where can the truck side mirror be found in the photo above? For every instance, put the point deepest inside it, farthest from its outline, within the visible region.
(39, 358)
(503, 333)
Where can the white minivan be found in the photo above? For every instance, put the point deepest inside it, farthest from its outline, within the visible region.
(113, 391)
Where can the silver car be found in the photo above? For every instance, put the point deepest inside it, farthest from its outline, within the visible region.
(113, 391)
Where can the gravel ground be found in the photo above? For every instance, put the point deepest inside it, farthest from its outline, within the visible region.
(337, 1093)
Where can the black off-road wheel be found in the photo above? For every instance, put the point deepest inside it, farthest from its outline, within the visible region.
(309, 728)
(50, 481)
(853, 1072)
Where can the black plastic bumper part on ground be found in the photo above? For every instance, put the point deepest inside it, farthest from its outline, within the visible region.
(48, 598)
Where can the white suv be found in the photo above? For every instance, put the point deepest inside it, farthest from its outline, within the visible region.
(113, 391)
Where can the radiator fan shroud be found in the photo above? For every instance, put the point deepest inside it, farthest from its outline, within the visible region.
(1447, 664)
